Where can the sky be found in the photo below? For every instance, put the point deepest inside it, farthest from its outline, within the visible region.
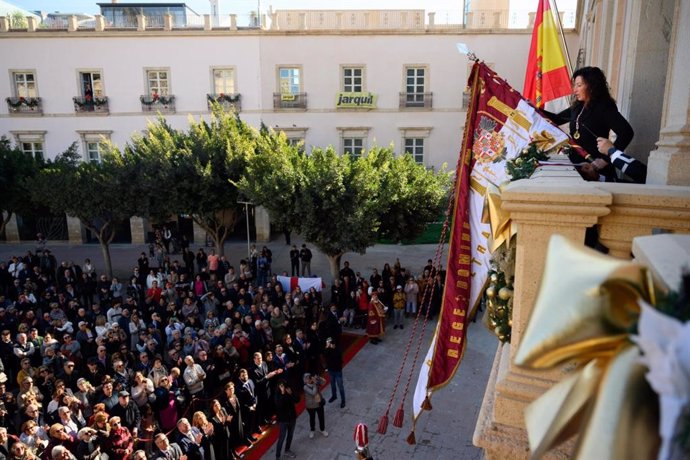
(243, 6)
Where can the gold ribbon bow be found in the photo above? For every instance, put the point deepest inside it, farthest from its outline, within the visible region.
(544, 140)
(585, 309)
(501, 224)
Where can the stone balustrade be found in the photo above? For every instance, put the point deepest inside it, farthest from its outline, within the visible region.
(559, 202)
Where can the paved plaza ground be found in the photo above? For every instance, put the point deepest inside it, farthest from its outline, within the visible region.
(444, 433)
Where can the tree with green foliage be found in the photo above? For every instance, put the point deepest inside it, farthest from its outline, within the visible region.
(17, 173)
(100, 194)
(196, 171)
(343, 204)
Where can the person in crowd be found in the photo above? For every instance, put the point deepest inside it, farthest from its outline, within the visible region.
(334, 367)
(376, 319)
(165, 450)
(286, 416)
(314, 402)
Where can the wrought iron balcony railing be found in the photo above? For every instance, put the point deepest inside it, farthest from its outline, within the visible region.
(415, 100)
(90, 104)
(289, 100)
(157, 103)
(25, 105)
(229, 102)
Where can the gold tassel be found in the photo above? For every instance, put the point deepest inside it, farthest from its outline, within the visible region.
(411, 440)
(426, 405)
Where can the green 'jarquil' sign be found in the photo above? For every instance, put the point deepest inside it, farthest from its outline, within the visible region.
(356, 100)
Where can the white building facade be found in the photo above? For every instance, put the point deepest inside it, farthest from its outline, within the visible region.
(350, 88)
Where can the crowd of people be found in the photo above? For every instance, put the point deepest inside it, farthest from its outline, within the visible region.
(190, 358)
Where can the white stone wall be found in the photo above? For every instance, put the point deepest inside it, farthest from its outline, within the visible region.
(57, 57)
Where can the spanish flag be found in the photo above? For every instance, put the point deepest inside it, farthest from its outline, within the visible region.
(547, 76)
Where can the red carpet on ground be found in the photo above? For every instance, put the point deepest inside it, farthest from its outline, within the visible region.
(352, 344)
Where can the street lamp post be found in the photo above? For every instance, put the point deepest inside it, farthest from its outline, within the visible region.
(246, 214)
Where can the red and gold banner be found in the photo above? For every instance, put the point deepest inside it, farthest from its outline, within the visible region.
(547, 77)
(499, 125)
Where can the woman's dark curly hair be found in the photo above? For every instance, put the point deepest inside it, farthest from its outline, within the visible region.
(597, 87)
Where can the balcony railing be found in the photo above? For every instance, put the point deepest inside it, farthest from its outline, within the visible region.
(156, 103)
(415, 100)
(289, 100)
(26, 105)
(229, 102)
(90, 104)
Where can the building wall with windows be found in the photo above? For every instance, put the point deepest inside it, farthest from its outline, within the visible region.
(400, 88)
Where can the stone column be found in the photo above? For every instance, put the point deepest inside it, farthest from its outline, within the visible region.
(72, 24)
(137, 227)
(208, 25)
(670, 163)
(263, 224)
(4, 24)
(11, 229)
(31, 23)
(100, 23)
(75, 231)
(168, 22)
(141, 22)
(432, 19)
(233, 22)
(302, 21)
(540, 209)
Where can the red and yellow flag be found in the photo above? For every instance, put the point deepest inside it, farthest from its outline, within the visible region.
(547, 76)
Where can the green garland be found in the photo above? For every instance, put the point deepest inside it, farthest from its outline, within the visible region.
(151, 100)
(96, 101)
(16, 102)
(499, 295)
(524, 165)
(221, 98)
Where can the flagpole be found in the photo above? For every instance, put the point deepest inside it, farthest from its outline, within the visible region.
(554, 8)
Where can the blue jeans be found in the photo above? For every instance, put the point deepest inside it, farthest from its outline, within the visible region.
(337, 378)
(287, 429)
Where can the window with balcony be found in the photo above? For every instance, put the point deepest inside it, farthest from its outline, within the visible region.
(290, 95)
(159, 97)
(415, 85)
(91, 98)
(24, 97)
(31, 142)
(224, 92)
(415, 147)
(353, 79)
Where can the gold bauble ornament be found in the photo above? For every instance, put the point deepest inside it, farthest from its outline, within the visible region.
(505, 293)
(494, 278)
(491, 291)
(501, 311)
